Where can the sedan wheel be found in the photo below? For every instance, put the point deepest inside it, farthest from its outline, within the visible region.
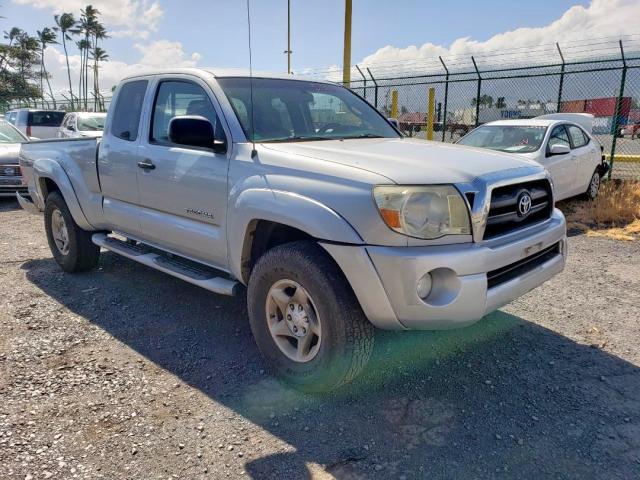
(594, 186)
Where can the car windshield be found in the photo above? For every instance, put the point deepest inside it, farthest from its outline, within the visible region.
(506, 138)
(294, 110)
(8, 134)
(91, 123)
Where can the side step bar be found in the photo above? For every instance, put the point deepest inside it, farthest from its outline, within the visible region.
(184, 269)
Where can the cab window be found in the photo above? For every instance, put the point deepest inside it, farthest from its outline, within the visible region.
(175, 99)
(126, 116)
(578, 138)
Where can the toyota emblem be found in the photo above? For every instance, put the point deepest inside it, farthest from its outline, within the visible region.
(524, 204)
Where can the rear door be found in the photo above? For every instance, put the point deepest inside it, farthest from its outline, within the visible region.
(118, 158)
(561, 167)
(183, 197)
(586, 158)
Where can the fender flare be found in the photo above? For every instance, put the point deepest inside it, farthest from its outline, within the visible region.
(46, 168)
(291, 209)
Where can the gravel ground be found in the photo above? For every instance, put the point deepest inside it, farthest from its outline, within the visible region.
(128, 373)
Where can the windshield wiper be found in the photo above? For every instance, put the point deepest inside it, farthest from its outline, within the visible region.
(299, 138)
(364, 135)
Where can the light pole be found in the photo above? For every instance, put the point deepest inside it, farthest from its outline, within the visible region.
(346, 60)
(288, 50)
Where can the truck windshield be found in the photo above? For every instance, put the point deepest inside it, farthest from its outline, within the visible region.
(506, 138)
(294, 110)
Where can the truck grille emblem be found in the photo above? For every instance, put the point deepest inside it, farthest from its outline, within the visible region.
(524, 204)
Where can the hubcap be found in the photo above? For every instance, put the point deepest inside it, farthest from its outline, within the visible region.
(293, 320)
(59, 232)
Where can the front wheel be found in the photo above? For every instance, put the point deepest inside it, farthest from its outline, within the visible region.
(70, 245)
(594, 186)
(305, 318)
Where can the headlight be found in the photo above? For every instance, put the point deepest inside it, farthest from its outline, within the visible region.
(423, 211)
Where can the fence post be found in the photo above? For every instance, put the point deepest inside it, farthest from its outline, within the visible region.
(364, 79)
(561, 79)
(478, 92)
(616, 117)
(375, 89)
(446, 97)
(430, 112)
(394, 104)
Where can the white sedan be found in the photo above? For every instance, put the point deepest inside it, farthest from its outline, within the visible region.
(82, 124)
(562, 143)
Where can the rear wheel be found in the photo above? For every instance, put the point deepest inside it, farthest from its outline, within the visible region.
(70, 245)
(305, 318)
(594, 186)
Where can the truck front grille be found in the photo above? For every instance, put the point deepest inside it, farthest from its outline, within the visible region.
(516, 269)
(506, 214)
(9, 171)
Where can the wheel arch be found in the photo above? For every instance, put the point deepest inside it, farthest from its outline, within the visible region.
(261, 219)
(50, 176)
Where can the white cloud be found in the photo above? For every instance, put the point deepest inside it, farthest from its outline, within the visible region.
(158, 54)
(602, 18)
(131, 18)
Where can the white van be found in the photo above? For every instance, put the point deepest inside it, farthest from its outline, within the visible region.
(38, 123)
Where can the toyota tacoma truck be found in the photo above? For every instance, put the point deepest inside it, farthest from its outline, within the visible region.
(303, 193)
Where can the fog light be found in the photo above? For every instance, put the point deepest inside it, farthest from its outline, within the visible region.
(424, 286)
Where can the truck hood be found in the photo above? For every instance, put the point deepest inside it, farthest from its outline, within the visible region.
(409, 161)
(9, 153)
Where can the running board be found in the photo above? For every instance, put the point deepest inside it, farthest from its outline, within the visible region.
(184, 269)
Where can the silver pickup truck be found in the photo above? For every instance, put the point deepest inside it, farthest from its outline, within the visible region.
(305, 194)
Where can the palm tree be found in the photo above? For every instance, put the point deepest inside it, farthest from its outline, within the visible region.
(83, 46)
(99, 33)
(68, 26)
(47, 36)
(88, 21)
(98, 55)
(12, 35)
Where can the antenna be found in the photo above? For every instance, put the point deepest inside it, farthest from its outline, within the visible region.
(253, 140)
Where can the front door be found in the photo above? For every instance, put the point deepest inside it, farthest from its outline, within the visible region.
(183, 190)
(561, 167)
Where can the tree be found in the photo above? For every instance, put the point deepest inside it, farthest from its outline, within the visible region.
(68, 27)
(98, 55)
(501, 103)
(17, 61)
(46, 36)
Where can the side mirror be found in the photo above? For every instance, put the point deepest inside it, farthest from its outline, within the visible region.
(71, 128)
(558, 149)
(394, 122)
(194, 131)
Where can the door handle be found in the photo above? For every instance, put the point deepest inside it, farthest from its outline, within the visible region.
(146, 165)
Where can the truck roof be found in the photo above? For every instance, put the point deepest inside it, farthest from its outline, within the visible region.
(224, 72)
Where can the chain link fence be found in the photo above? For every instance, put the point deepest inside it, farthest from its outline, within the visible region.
(607, 88)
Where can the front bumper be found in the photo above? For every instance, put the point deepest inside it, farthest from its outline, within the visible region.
(385, 278)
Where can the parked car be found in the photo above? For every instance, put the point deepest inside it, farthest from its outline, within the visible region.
(557, 141)
(10, 174)
(41, 124)
(82, 124)
(307, 195)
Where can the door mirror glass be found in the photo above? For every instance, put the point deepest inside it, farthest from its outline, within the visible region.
(559, 149)
(71, 128)
(194, 131)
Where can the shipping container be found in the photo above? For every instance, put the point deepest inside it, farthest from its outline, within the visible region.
(598, 107)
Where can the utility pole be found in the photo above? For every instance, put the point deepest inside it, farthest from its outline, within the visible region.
(288, 50)
(346, 60)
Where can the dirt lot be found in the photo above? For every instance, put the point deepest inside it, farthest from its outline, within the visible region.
(127, 373)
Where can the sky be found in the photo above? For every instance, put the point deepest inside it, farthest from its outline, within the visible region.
(160, 33)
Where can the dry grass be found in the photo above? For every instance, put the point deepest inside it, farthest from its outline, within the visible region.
(614, 214)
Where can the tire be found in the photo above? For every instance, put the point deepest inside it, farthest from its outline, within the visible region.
(78, 253)
(594, 185)
(346, 337)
